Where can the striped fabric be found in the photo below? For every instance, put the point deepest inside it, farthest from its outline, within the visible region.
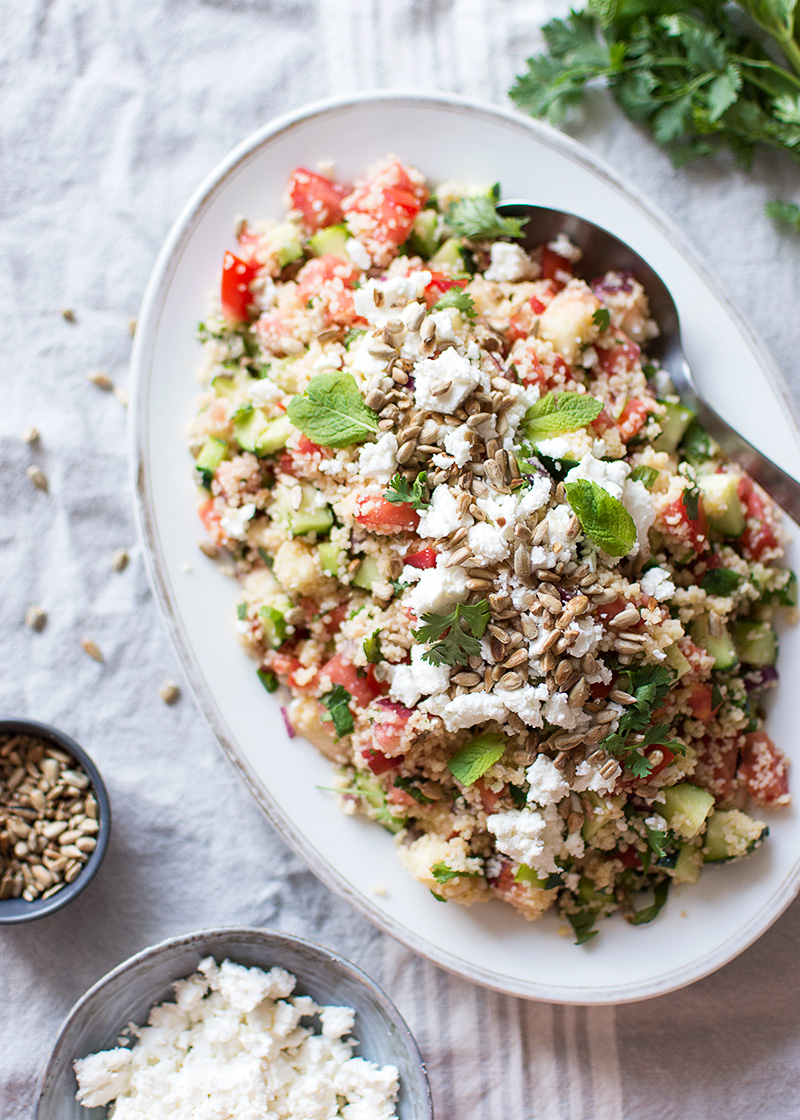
(110, 112)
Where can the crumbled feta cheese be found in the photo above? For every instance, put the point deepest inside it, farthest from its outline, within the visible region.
(589, 634)
(487, 545)
(526, 702)
(234, 522)
(500, 509)
(656, 823)
(547, 783)
(409, 682)
(264, 391)
(588, 777)
(466, 710)
(438, 588)
(509, 263)
(330, 358)
(557, 711)
(232, 1044)
(610, 476)
(556, 447)
(536, 496)
(358, 254)
(395, 290)
(532, 836)
(441, 518)
(458, 445)
(450, 369)
(563, 247)
(378, 461)
(656, 583)
(444, 324)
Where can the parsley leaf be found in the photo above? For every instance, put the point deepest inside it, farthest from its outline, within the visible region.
(476, 757)
(277, 621)
(337, 701)
(602, 318)
(409, 787)
(443, 874)
(372, 648)
(462, 301)
(352, 336)
(648, 913)
(552, 416)
(648, 685)
(453, 644)
(720, 581)
(604, 519)
(477, 219)
(332, 411)
(646, 475)
(415, 495)
(786, 212)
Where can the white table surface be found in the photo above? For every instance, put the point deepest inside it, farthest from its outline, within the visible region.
(110, 113)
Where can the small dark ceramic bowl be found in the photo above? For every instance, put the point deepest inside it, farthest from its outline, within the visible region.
(13, 910)
(127, 993)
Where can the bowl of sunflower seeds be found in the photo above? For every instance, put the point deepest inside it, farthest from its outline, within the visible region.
(55, 820)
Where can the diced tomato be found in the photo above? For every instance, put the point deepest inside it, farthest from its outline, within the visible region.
(692, 530)
(599, 689)
(305, 446)
(489, 799)
(380, 516)
(284, 664)
(389, 725)
(329, 281)
(363, 689)
(318, 198)
(621, 358)
(235, 288)
(298, 685)
(439, 285)
(286, 464)
(424, 559)
(632, 418)
(399, 797)
(553, 263)
(249, 244)
(378, 761)
(628, 857)
(607, 611)
(764, 770)
(759, 538)
(716, 766)
(536, 305)
(666, 757)
(210, 516)
(701, 702)
(391, 200)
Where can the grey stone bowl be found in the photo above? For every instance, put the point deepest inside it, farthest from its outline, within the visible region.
(129, 991)
(14, 910)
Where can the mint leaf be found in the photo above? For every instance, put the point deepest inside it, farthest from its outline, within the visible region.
(372, 648)
(657, 839)
(337, 701)
(332, 412)
(476, 757)
(552, 416)
(720, 581)
(443, 874)
(453, 644)
(646, 475)
(604, 519)
(460, 300)
(582, 922)
(477, 219)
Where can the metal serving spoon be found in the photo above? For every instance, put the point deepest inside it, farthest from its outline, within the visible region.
(603, 252)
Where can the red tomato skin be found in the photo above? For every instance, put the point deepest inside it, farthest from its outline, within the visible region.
(363, 689)
(379, 763)
(439, 285)
(235, 288)
(695, 530)
(620, 358)
(755, 540)
(764, 770)
(380, 516)
(628, 857)
(389, 725)
(667, 757)
(210, 517)
(305, 446)
(318, 198)
(632, 418)
(701, 702)
(553, 263)
(424, 559)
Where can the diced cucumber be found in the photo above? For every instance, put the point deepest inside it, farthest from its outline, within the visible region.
(330, 241)
(224, 384)
(449, 253)
(248, 426)
(589, 893)
(525, 874)
(368, 572)
(674, 423)
(755, 642)
(689, 864)
(731, 834)
(211, 455)
(285, 243)
(314, 515)
(374, 795)
(274, 435)
(720, 646)
(721, 502)
(423, 238)
(602, 813)
(686, 808)
(331, 558)
(273, 621)
(677, 661)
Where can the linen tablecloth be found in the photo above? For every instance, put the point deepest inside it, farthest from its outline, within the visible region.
(110, 112)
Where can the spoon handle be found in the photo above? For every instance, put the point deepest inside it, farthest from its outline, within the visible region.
(780, 486)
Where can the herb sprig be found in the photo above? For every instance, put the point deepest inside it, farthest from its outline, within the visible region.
(454, 645)
(414, 494)
(462, 301)
(554, 415)
(476, 218)
(332, 411)
(648, 685)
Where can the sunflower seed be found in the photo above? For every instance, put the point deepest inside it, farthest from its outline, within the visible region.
(119, 561)
(100, 379)
(169, 692)
(208, 549)
(37, 477)
(31, 435)
(510, 682)
(35, 618)
(625, 619)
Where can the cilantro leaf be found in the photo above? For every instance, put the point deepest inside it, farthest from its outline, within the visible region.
(337, 701)
(638, 765)
(332, 411)
(786, 212)
(409, 787)
(415, 495)
(268, 679)
(646, 475)
(372, 648)
(720, 581)
(642, 917)
(602, 318)
(443, 874)
(462, 301)
(476, 757)
(476, 218)
(552, 416)
(453, 644)
(604, 519)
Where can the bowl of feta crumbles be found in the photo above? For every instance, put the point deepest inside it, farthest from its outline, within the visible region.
(235, 1022)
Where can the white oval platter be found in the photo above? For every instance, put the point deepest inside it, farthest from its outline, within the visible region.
(448, 137)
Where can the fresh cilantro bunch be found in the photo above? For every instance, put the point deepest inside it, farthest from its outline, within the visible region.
(701, 75)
